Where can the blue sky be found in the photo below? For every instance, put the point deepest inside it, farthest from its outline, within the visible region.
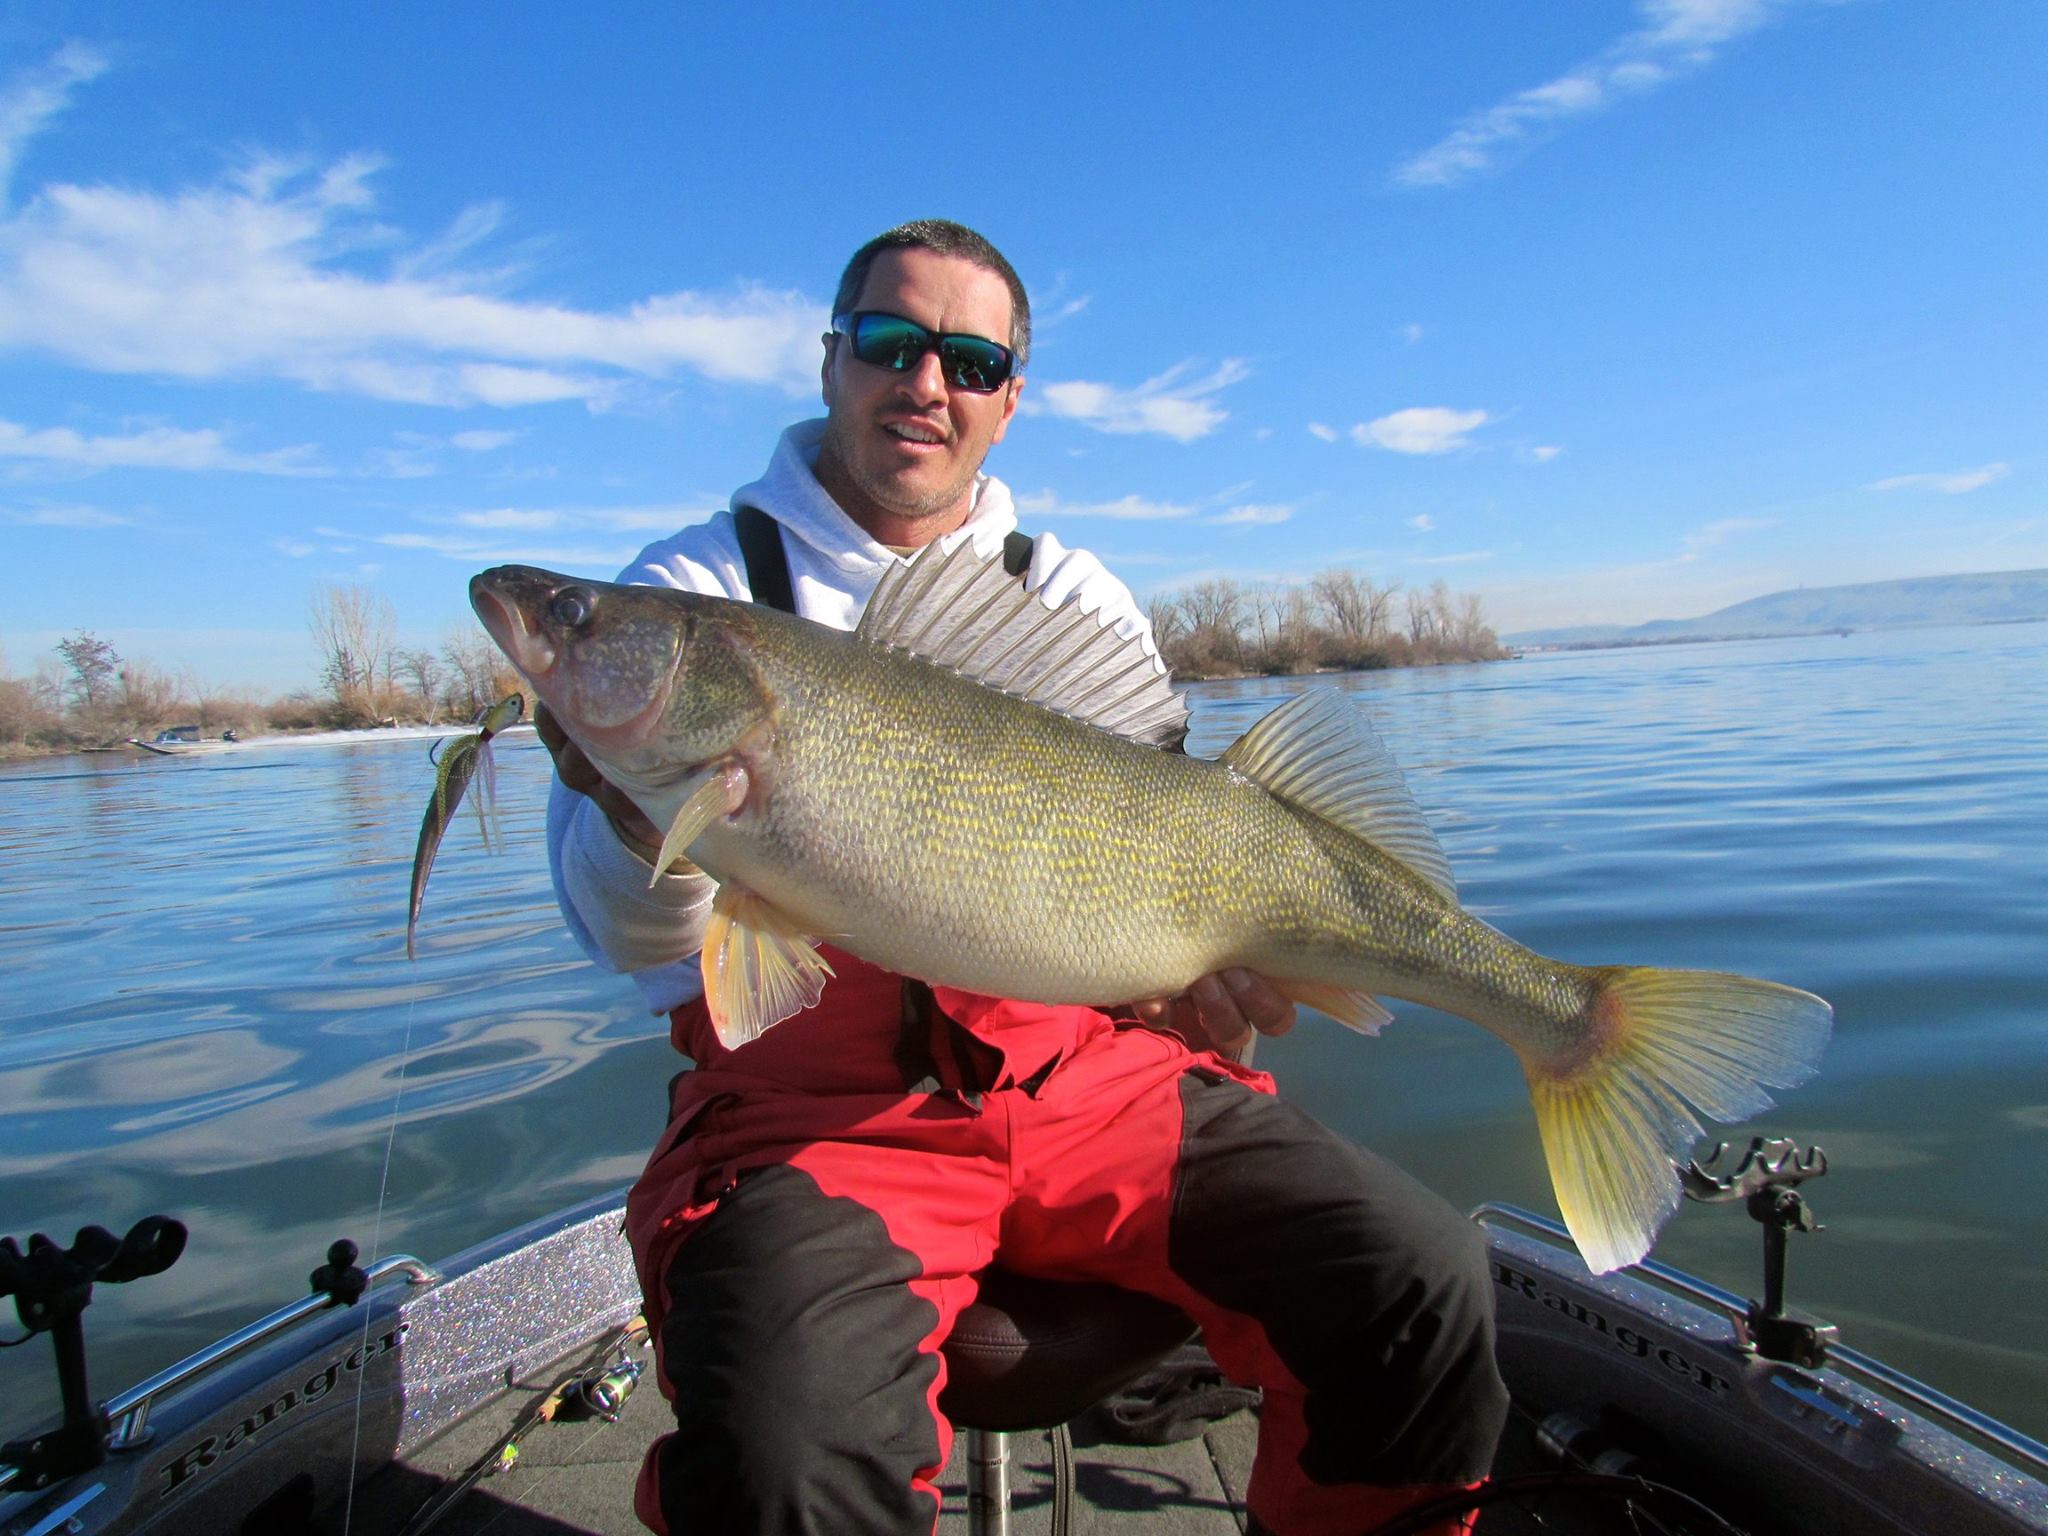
(1608, 311)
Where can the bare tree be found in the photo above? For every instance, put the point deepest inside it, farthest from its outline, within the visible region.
(1472, 634)
(1354, 605)
(147, 695)
(421, 668)
(1169, 623)
(22, 716)
(94, 664)
(352, 629)
(479, 674)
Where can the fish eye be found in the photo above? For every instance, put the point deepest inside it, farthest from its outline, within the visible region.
(572, 607)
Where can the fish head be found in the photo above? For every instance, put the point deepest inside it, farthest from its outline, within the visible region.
(652, 683)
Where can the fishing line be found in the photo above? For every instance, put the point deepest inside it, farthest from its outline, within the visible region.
(375, 1251)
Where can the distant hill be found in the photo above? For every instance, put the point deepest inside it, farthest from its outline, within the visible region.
(1989, 597)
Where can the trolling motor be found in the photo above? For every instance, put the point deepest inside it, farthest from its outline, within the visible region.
(1764, 1181)
(52, 1287)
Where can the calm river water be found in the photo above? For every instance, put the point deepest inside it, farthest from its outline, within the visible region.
(206, 1009)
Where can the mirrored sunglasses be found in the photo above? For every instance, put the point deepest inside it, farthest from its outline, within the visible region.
(882, 340)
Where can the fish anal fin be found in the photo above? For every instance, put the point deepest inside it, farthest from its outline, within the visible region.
(1357, 1011)
(1319, 751)
(759, 966)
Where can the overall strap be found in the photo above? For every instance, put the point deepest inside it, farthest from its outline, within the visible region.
(767, 561)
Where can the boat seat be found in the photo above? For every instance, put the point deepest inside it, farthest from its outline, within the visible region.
(1033, 1354)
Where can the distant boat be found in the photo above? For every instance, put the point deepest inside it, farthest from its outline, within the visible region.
(182, 741)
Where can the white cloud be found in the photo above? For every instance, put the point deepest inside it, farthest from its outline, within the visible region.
(69, 517)
(1124, 509)
(1956, 484)
(1253, 514)
(648, 519)
(472, 549)
(1674, 38)
(1422, 521)
(35, 96)
(1543, 453)
(1466, 558)
(280, 270)
(1167, 404)
(480, 442)
(1718, 532)
(151, 448)
(1410, 333)
(509, 517)
(1420, 429)
(1327, 433)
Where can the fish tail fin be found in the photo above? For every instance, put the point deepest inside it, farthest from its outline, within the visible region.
(1620, 1114)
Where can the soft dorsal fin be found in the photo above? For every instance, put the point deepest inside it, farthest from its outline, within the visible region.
(967, 613)
(1320, 752)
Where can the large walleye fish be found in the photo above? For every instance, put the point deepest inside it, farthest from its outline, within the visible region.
(972, 788)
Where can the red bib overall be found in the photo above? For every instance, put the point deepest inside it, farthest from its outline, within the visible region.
(810, 1226)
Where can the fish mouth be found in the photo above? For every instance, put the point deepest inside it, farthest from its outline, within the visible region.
(502, 598)
(604, 710)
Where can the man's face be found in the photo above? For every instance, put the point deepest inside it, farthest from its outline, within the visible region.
(901, 450)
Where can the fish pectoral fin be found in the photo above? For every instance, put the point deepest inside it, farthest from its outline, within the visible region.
(759, 967)
(1358, 1011)
(722, 793)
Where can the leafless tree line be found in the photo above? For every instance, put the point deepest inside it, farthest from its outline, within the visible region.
(368, 679)
(1342, 620)
(85, 693)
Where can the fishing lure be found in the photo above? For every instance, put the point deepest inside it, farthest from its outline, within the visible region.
(458, 760)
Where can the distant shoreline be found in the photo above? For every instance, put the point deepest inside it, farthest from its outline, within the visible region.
(1620, 643)
(216, 748)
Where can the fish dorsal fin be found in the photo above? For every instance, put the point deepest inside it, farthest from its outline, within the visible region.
(1320, 752)
(961, 611)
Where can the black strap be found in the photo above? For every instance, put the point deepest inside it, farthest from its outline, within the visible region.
(767, 561)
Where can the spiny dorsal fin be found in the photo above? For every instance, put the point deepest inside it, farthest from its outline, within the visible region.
(961, 611)
(1320, 752)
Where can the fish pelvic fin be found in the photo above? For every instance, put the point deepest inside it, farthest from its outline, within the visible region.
(1617, 1120)
(759, 967)
(1359, 1012)
(1319, 751)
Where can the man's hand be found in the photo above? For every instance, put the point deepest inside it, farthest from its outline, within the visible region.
(577, 772)
(1225, 1008)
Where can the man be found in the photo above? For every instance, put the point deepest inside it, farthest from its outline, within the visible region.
(810, 1225)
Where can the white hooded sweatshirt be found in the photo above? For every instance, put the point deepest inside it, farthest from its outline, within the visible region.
(653, 933)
